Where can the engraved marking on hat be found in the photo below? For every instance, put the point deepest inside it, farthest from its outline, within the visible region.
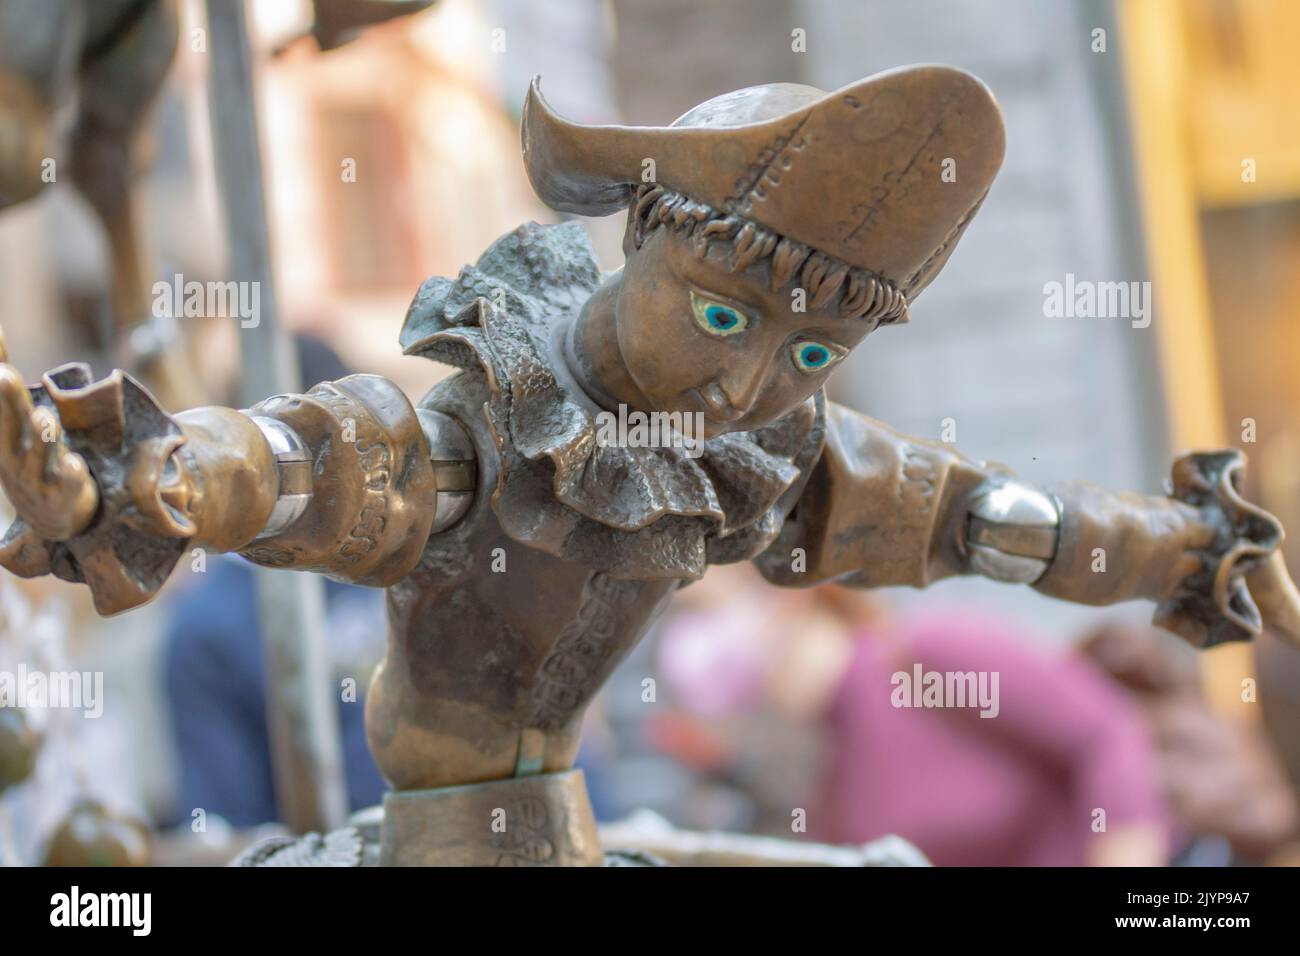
(747, 187)
(879, 118)
(895, 178)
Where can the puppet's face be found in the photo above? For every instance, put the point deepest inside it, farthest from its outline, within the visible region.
(697, 337)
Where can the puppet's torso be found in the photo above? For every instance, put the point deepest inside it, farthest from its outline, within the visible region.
(517, 614)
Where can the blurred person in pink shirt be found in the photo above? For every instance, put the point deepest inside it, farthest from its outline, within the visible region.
(1048, 764)
(1062, 770)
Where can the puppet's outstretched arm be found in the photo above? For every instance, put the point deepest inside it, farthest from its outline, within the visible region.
(347, 479)
(881, 508)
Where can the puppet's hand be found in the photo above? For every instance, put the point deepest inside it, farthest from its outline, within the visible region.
(1241, 572)
(89, 469)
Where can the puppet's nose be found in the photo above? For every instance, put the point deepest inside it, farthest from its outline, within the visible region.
(720, 407)
(732, 394)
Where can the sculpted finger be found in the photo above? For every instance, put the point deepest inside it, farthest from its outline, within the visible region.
(57, 495)
(79, 492)
(15, 413)
(46, 426)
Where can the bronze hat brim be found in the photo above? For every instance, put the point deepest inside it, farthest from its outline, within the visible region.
(857, 174)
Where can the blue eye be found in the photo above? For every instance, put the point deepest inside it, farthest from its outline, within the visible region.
(814, 356)
(721, 318)
(716, 318)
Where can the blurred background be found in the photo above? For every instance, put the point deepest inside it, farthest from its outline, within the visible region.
(1147, 140)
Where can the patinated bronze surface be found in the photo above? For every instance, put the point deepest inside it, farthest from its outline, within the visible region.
(536, 819)
(524, 554)
(105, 61)
(337, 22)
(20, 743)
(92, 835)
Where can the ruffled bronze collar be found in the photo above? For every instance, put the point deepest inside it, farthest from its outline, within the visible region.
(633, 512)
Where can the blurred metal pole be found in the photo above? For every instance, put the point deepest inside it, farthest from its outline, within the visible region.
(306, 754)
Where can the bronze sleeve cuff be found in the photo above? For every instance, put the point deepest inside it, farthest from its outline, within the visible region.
(1190, 552)
(372, 485)
(879, 509)
(234, 481)
(1118, 547)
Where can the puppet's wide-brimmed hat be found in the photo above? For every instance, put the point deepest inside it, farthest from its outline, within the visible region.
(883, 174)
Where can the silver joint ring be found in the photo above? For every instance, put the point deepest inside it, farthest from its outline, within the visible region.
(454, 460)
(293, 468)
(1012, 531)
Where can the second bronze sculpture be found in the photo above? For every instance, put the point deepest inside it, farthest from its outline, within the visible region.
(769, 231)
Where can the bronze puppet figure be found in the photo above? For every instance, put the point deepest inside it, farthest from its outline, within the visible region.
(524, 556)
(105, 63)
